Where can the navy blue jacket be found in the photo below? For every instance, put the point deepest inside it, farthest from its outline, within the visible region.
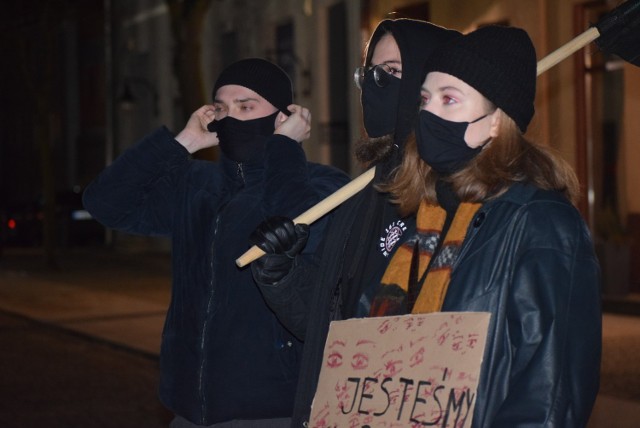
(224, 354)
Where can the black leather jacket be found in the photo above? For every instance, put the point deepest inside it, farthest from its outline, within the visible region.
(527, 259)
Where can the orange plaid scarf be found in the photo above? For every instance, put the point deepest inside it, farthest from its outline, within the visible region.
(401, 289)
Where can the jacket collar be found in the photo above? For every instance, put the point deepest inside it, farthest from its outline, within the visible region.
(242, 174)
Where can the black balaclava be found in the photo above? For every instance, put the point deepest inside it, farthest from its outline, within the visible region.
(379, 104)
(243, 140)
(416, 41)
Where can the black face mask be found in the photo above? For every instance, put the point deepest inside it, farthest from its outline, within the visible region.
(441, 143)
(379, 105)
(243, 140)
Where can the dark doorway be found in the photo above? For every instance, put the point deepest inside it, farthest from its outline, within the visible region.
(338, 127)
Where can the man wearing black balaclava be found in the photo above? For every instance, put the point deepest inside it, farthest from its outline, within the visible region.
(366, 230)
(226, 361)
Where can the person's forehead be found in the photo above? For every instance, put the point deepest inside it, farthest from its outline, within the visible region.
(231, 93)
(437, 80)
(386, 50)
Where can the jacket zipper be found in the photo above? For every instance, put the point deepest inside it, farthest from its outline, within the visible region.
(240, 172)
(205, 327)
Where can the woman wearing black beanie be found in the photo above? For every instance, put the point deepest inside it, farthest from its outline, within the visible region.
(497, 232)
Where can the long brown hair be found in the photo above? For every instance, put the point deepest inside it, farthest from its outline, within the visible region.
(509, 158)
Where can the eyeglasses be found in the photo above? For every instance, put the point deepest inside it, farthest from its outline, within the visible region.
(381, 73)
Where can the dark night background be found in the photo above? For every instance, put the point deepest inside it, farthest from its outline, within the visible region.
(53, 118)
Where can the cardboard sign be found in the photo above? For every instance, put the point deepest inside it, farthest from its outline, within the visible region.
(401, 371)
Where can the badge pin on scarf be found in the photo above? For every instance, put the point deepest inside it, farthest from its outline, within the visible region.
(617, 33)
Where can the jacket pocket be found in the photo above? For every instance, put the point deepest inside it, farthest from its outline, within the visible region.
(287, 350)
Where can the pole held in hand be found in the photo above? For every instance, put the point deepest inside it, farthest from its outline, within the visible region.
(318, 210)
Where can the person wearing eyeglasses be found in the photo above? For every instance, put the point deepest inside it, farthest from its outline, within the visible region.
(366, 230)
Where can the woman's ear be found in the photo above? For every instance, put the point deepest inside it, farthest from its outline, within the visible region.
(496, 119)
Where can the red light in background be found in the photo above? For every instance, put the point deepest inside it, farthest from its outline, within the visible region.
(11, 224)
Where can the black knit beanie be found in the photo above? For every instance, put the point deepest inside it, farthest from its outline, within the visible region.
(261, 76)
(497, 61)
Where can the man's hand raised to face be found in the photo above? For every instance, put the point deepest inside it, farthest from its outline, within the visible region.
(195, 135)
(297, 126)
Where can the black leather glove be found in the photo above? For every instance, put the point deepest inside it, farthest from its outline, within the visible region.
(281, 240)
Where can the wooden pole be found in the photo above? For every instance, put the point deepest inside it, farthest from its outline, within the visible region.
(567, 49)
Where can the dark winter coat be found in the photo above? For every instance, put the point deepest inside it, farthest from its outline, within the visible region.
(528, 260)
(332, 285)
(224, 354)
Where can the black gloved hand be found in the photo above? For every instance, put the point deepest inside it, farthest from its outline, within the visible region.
(281, 240)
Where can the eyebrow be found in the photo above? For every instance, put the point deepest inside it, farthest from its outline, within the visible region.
(244, 100)
(238, 100)
(444, 88)
(449, 88)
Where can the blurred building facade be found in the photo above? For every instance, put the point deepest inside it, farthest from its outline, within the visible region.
(120, 80)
